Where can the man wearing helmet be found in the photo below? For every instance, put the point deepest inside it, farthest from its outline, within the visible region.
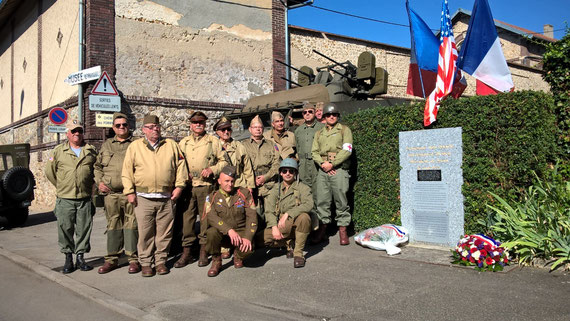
(287, 211)
(331, 151)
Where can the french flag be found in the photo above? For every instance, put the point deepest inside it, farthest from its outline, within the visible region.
(424, 54)
(481, 55)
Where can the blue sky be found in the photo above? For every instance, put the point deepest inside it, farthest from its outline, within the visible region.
(527, 14)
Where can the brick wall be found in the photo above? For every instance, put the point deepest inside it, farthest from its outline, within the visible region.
(278, 32)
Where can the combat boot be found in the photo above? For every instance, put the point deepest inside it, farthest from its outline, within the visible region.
(185, 258)
(203, 259)
(343, 235)
(216, 265)
(81, 264)
(320, 234)
(68, 267)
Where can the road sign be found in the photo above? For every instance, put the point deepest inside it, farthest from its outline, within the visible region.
(57, 115)
(84, 75)
(104, 86)
(104, 103)
(57, 129)
(103, 120)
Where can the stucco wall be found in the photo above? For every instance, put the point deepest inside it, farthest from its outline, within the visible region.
(5, 77)
(171, 49)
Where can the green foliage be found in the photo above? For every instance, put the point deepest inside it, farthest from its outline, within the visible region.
(556, 65)
(505, 138)
(538, 225)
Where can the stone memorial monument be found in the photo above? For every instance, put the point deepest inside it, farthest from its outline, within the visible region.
(430, 185)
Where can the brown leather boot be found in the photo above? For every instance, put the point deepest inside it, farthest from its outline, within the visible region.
(343, 235)
(185, 258)
(107, 267)
(203, 259)
(216, 265)
(320, 235)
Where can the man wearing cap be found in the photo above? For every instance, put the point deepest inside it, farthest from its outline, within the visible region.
(284, 139)
(265, 160)
(232, 220)
(205, 160)
(287, 211)
(70, 170)
(331, 151)
(121, 222)
(153, 176)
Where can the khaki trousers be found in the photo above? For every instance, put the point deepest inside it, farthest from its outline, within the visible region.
(195, 209)
(301, 224)
(155, 218)
(215, 240)
(121, 228)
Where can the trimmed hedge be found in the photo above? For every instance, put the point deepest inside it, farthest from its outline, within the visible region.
(505, 138)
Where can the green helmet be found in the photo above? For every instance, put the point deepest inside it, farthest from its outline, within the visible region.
(289, 163)
(331, 108)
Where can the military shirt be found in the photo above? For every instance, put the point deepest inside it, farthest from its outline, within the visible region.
(295, 200)
(109, 164)
(235, 210)
(265, 160)
(304, 136)
(337, 139)
(148, 170)
(72, 176)
(236, 155)
(285, 143)
(201, 153)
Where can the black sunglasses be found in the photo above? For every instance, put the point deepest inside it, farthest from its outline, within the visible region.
(229, 129)
(310, 111)
(121, 125)
(288, 170)
(77, 130)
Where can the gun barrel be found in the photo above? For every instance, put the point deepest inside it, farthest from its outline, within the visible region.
(291, 81)
(329, 58)
(297, 70)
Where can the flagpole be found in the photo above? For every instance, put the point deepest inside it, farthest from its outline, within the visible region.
(414, 48)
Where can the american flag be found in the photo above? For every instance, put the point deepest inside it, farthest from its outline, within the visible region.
(446, 67)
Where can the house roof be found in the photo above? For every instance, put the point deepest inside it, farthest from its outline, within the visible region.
(506, 26)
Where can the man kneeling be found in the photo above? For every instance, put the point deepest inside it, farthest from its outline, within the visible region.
(232, 217)
(286, 213)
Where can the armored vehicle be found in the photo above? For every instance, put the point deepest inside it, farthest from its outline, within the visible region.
(17, 183)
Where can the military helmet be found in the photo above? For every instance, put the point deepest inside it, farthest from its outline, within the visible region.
(289, 163)
(331, 108)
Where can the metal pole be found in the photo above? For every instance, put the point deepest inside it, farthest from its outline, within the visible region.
(80, 62)
(288, 40)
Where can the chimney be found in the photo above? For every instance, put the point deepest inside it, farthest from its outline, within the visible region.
(548, 30)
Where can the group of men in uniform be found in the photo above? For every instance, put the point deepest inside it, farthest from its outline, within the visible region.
(271, 189)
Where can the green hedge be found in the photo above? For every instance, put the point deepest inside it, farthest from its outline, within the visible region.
(505, 138)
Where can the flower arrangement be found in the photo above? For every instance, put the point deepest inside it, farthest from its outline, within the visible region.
(482, 252)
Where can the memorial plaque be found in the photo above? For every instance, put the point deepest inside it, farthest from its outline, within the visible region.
(430, 185)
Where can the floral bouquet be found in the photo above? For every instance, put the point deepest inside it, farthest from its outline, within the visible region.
(480, 251)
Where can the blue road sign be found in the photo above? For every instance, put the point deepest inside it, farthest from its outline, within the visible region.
(57, 115)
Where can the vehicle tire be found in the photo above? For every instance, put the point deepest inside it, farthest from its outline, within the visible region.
(18, 183)
(18, 217)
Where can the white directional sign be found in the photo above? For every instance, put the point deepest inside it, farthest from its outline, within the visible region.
(104, 103)
(56, 129)
(84, 75)
(103, 120)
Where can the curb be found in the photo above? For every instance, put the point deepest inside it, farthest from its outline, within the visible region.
(80, 288)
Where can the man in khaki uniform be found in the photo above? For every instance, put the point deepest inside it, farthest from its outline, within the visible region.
(121, 222)
(232, 218)
(287, 211)
(153, 176)
(332, 148)
(235, 155)
(284, 139)
(70, 170)
(265, 159)
(204, 158)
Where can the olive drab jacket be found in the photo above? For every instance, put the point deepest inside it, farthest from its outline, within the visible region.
(265, 160)
(147, 170)
(285, 143)
(333, 145)
(235, 210)
(72, 176)
(235, 155)
(295, 200)
(304, 135)
(201, 153)
(109, 164)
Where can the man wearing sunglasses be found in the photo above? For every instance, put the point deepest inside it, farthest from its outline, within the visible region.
(153, 175)
(287, 211)
(70, 170)
(204, 158)
(121, 222)
(284, 139)
(331, 151)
